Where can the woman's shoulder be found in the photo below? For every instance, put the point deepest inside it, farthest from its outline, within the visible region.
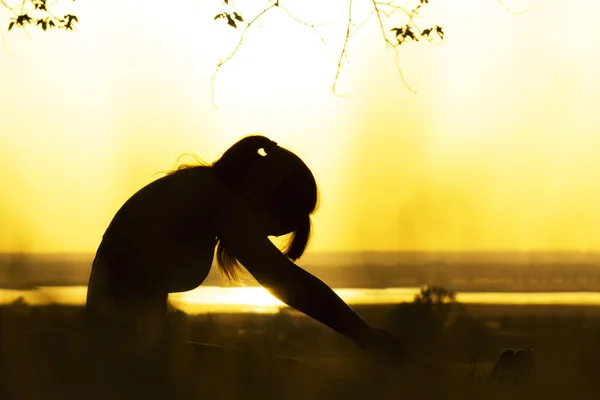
(203, 194)
(188, 191)
(195, 182)
(191, 182)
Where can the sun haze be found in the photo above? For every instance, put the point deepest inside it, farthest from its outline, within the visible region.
(497, 150)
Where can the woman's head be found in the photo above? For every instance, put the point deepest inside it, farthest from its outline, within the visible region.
(277, 184)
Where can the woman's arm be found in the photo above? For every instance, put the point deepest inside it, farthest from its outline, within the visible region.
(306, 293)
(240, 231)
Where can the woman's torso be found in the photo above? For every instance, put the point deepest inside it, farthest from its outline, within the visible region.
(163, 231)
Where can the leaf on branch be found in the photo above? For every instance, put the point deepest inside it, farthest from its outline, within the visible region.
(23, 19)
(231, 21)
(440, 31)
(238, 17)
(40, 5)
(68, 22)
(434, 29)
(410, 34)
(43, 23)
(228, 17)
(226, 2)
(404, 33)
(10, 26)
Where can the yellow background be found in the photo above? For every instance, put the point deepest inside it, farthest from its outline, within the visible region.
(499, 148)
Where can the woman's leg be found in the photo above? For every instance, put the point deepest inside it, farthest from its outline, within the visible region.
(125, 316)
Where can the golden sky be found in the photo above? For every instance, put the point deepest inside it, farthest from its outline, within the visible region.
(498, 149)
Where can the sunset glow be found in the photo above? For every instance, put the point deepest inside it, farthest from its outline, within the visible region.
(257, 300)
(497, 150)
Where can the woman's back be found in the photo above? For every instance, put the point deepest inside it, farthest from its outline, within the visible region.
(170, 209)
(158, 242)
(162, 231)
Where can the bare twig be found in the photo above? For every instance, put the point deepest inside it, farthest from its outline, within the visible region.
(362, 23)
(343, 53)
(382, 28)
(301, 22)
(312, 26)
(511, 11)
(401, 73)
(230, 56)
(52, 15)
(5, 43)
(391, 4)
(394, 46)
(11, 9)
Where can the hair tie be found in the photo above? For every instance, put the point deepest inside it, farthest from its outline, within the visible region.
(266, 149)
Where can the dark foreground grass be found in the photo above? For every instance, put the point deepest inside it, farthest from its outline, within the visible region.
(285, 356)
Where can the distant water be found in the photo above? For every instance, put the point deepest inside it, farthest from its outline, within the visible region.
(256, 299)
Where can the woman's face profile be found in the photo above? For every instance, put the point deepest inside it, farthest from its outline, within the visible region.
(275, 222)
(276, 189)
(278, 226)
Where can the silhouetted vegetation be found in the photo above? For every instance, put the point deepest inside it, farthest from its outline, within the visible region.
(264, 355)
(39, 14)
(397, 21)
(435, 326)
(395, 30)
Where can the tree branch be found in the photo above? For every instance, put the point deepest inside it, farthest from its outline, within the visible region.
(382, 9)
(383, 33)
(312, 26)
(346, 39)
(4, 41)
(38, 13)
(12, 9)
(511, 11)
(392, 45)
(237, 47)
(362, 23)
(401, 73)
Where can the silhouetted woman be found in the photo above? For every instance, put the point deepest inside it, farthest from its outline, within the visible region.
(163, 240)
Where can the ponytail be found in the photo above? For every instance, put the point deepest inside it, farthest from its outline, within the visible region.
(241, 158)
